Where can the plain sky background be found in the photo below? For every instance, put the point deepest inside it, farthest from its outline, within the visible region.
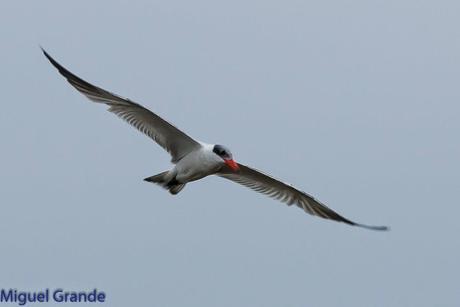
(355, 102)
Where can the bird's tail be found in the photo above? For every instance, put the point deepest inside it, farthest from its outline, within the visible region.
(165, 181)
(158, 179)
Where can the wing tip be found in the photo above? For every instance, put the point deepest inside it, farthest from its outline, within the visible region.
(45, 53)
(370, 227)
(58, 66)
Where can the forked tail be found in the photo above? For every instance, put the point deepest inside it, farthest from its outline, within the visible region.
(165, 181)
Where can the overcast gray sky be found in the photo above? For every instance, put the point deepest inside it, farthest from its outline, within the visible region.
(355, 102)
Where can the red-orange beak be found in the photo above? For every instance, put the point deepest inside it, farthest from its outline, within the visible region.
(232, 164)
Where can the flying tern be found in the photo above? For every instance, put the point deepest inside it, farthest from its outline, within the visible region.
(194, 160)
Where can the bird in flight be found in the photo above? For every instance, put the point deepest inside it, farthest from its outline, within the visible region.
(194, 160)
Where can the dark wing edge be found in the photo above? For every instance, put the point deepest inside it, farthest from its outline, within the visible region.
(133, 113)
(284, 192)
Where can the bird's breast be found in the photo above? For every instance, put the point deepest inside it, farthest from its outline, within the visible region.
(196, 165)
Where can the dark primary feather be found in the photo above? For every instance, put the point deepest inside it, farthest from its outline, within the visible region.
(176, 142)
(286, 193)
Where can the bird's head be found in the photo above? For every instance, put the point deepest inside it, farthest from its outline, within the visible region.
(226, 155)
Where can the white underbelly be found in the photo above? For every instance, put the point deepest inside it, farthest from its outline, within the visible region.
(197, 165)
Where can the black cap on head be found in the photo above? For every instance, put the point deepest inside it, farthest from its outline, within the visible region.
(222, 151)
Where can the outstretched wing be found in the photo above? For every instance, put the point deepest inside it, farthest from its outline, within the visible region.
(286, 193)
(174, 141)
